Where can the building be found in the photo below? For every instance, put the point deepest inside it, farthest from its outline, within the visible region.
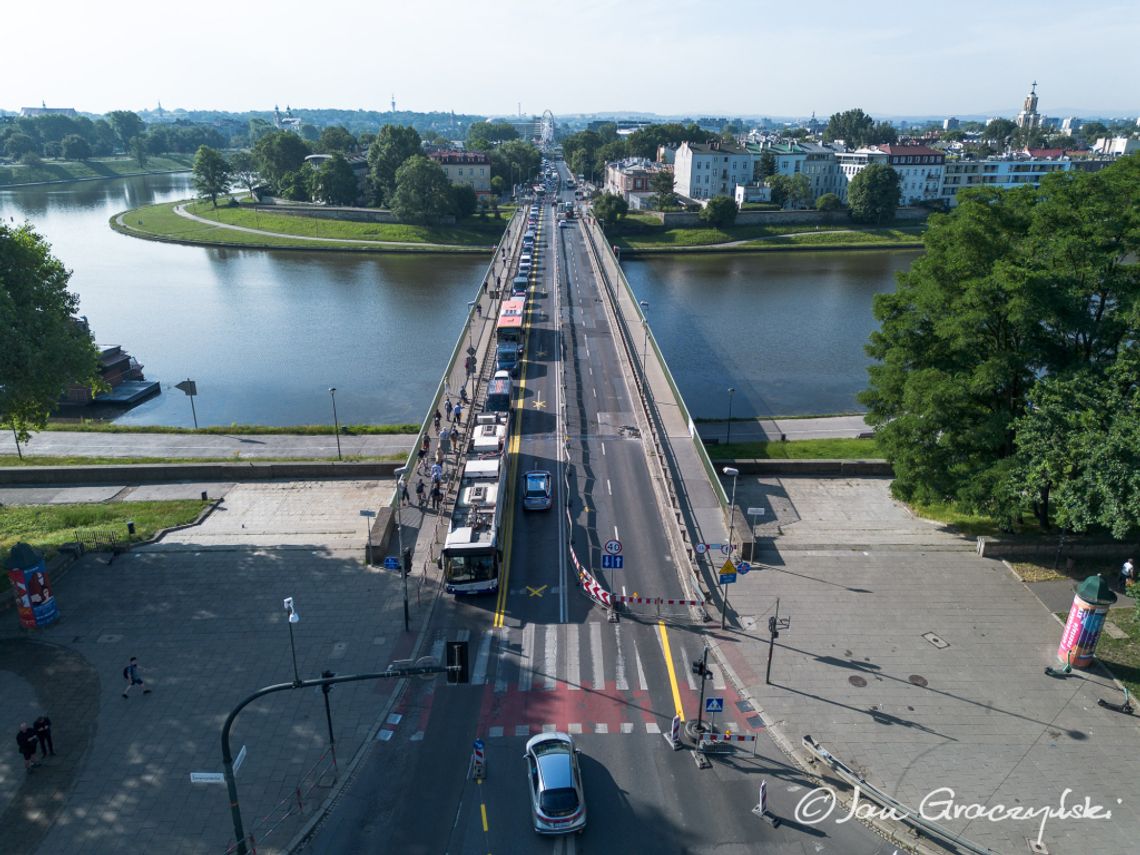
(1116, 146)
(1070, 125)
(472, 168)
(815, 162)
(630, 179)
(705, 170)
(919, 167)
(1005, 171)
(45, 110)
(950, 124)
(1029, 117)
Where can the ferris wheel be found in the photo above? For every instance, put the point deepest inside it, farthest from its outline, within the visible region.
(546, 132)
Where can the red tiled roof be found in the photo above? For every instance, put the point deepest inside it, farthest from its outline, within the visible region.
(460, 157)
(1045, 152)
(907, 149)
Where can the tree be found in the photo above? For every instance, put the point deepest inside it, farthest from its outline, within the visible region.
(999, 131)
(854, 127)
(1093, 131)
(277, 154)
(74, 147)
(882, 133)
(484, 136)
(394, 145)
(138, 149)
(45, 348)
(828, 202)
(210, 174)
(766, 165)
(662, 183)
(720, 212)
(790, 191)
(243, 168)
(1006, 359)
(464, 201)
(334, 182)
(423, 193)
(873, 195)
(610, 208)
(127, 126)
(336, 138)
(17, 145)
(497, 185)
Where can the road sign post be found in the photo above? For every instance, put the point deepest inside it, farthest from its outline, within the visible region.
(613, 562)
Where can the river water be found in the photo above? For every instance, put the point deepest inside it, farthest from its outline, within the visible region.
(266, 333)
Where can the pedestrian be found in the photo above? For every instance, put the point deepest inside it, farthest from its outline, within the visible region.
(42, 727)
(1127, 573)
(26, 740)
(131, 675)
(439, 456)
(445, 440)
(437, 421)
(405, 499)
(484, 286)
(447, 408)
(458, 411)
(436, 496)
(421, 454)
(420, 492)
(463, 399)
(479, 306)
(436, 473)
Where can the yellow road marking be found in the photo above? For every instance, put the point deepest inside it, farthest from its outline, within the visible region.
(483, 811)
(669, 668)
(537, 592)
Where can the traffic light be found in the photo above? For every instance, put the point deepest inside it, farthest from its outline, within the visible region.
(701, 669)
(327, 675)
(772, 627)
(457, 671)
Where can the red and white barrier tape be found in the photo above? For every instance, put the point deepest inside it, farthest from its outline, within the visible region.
(728, 737)
(656, 601)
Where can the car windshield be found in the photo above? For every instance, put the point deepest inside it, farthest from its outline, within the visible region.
(536, 485)
(558, 802)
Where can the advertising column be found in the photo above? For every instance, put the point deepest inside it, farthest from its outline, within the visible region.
(1085, 622)
(35, 602)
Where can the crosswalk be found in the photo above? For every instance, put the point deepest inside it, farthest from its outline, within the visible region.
(591, 678)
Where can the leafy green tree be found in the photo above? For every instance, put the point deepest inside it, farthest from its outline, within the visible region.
(464, 201)
(17, 145)
(138, 149)
(790, 191)
(1093, 131)
(45, 348)
(257, 129)
(310, 133)
(873, 195)
(662, 183)
(243, 167)
(128, 127)
(394, 145)
(828, 202)
(720, 211)
(882, 133)
(336, 138)
(277, 154)
(854, 127)
(210, 174)
(296, 185)
(334, 182)
(610, 208)
(766, 164)
(423, 193)
(484, 136)
(999, 131)
(497, 185)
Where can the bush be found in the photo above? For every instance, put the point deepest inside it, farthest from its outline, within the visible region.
(720, 212)
(828, 202)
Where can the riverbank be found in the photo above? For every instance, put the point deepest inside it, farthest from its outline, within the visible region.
(200, 224)
(96, 169)
(645, 236)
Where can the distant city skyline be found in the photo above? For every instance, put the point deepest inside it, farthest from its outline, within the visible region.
(488, 57)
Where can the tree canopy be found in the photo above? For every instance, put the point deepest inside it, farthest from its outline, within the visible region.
(610, 208)
(720, 211)
(277, 154)
(1006, 363)
(873, 195)
(393, 146)
(423, 193)
(484, 136)
(127, 126)
(663, 185)
(857, 129)
(210, 175)
(45, 348)
(334, 182)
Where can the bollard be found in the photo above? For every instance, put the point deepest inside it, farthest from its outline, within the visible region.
(205, 498)
(478, 761)
(673, 737)
(761, 809)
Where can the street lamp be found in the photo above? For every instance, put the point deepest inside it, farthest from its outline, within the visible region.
(731, 473)
(293, 618)
(336, 422)
(645, 333)
(470, 324)
(728, 438)
(400, 473)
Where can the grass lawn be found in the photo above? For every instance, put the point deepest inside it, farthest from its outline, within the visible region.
(1121, 655)
(103, 167)
(473, 235)
(46, 527)
(642, 235)
(97, 426)
(801, 449)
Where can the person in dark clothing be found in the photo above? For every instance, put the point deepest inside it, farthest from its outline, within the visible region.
(420, 492)
(436, 496)
(26, 740)
(131, 675)
(42, 726)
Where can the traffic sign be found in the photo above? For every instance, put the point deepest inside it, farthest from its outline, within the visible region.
(726, 549)
(728, 568)
(391, 563)
(727, 578)
(613, 562)
(701, 548)
(714, 705)
(743, 567)
(613, 547)
(755, 512)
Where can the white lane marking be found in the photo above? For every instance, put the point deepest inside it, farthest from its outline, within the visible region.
(616, 535)
(609, 489)
(550, 658)
(717, 678)
(526, 664)
(652, 727)
(596, 656)
(573, 663)
(641, 683)
(437, 649)
(601, 727)
(627, 727)
(622, 684)
(483, 658)
(689, 672)
(603, 449)
(463, 635)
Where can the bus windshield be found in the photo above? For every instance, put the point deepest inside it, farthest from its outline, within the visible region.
(462, 569)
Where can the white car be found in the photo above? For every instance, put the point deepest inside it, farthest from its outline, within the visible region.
(557, 800)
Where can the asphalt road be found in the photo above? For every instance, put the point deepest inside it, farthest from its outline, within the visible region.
(550, 660)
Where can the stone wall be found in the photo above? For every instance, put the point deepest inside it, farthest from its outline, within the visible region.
(682, 219)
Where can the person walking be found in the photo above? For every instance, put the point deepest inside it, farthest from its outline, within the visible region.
(131, 675)
(458, 413)
(436, 496)
(436, 473)
(402, 485)
(26, 740)
(437, 421)
(42, 727)
(447, 408)
(1127, 573)
(420, 492)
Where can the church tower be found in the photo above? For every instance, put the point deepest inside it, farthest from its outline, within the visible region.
(1029, 117)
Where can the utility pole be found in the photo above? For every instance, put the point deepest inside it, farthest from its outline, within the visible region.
(701, 669)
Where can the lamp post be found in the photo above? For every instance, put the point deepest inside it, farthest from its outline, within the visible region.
(336, 422)
(470, 324)
(644, 333)
(400, 473)
(732, 473)
(293, 618)
(728, 437)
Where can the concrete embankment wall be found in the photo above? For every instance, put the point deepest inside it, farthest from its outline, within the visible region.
(166, 473)
(677, 219)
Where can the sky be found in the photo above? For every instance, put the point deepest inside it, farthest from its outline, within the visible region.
(489, 57)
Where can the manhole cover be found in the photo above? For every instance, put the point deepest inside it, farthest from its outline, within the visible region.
(856, 680)
(918, 680)
(935, 640)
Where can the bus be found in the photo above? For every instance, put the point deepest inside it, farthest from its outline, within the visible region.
(472, 551)
(509, 329)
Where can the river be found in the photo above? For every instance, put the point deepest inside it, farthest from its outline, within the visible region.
(266, 333)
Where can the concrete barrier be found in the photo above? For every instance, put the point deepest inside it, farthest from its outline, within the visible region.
(812, 468)
(164, 473)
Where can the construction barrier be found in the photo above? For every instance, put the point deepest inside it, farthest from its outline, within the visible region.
(673, 737)
(595, 591)
(761, 809)
(655, 601)
(478, 761)
(728, 737)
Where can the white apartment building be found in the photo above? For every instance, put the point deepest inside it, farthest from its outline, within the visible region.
(472, 168)
(705, 170)
(1005, 171)
(919, 167)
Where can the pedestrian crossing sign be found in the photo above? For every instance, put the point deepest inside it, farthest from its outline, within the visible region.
(728, 568)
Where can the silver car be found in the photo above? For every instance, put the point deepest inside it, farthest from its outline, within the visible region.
(557, 801)
(537, 490)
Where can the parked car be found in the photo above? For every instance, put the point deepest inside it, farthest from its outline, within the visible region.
(537, 490)
(557, 801)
